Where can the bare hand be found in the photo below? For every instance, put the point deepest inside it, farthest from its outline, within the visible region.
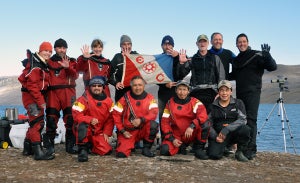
(65, 62)
(220, 138)
(170, 84)
(136, 122)
(127, 134)
(86, 51)
(172, 52)
(126, 51)
(188, 132)
(106, 137)
(182, 56)
(177, 143)
(94, 121)
(119, 86)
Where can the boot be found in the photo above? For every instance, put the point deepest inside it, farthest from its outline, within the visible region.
(70, 143)
(200, 153)
(27, 151)
(146, 151)
(182, 149)
(48, 143)
(239, 155)
(82, 153)
(39, 154)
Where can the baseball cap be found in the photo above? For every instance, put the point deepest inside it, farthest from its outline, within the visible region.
(224, 83)
(202, 36)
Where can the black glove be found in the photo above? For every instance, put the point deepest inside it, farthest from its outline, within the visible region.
(265, 48)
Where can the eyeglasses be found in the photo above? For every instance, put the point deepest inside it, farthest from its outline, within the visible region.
(96, 85)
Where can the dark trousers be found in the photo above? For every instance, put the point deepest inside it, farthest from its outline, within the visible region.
(240, 136)
(251, 101)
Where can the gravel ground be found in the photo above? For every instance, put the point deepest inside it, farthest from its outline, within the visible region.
(266, 167)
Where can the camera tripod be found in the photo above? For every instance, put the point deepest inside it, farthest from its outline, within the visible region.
(284, 118)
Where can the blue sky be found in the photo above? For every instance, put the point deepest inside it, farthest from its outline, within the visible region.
(25, 24)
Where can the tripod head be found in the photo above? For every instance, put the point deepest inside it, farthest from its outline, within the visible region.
(281, 82)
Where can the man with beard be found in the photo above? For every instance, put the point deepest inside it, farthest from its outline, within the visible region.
(93, 120)
(60, 96)
(247, 70)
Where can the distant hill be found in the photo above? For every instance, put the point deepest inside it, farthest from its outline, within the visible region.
(10, 93)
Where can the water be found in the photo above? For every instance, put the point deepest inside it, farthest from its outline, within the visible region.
(271, 135)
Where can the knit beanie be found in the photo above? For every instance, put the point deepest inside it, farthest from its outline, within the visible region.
(60, 43)
(45, 46)
(124, 39)
(167, 40)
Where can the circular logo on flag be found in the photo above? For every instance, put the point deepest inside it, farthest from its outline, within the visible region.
(149, 67)
(160, 77)
(139, 59)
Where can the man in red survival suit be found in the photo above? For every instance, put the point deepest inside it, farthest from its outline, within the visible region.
(93, 120)
(61, 95)
(94, 64)
(134, 116)
(34, 80)
(184, 121)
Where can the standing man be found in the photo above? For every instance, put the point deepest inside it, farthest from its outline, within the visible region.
(61, 95)
(34, 80)
(166, 91)
(225, 55)
(134, 116)
(207, 70)
(228, 118)
(93, 119)
(94, 64)
(117, 65)
(247, 69)
(184, 122)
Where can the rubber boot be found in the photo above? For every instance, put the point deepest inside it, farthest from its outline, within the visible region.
(182, 149)
(27, 151)
(48, 143)
(70, 143)
(146, 151)
(200, 153)
(39, 154)
(239, 155)
(82, 153)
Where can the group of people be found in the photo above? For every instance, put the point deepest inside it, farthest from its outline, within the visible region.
(199, 113)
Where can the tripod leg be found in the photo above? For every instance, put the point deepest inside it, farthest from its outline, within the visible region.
(267, 118)
(289, 128)
(282, 124)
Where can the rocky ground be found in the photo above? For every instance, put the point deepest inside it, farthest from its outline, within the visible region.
(266, 167)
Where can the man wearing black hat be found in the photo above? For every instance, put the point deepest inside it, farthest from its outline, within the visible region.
(166, 91)
(93, 119)
(61, 95)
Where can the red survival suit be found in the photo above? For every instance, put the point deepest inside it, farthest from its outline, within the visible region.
(84, 110)
(144, 107)
(34, 80)
(94, 66)
(178, 116)
(60, 96)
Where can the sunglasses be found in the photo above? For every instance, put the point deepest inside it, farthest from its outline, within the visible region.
(96, 85)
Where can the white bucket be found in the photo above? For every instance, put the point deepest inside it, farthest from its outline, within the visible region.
(17, 134)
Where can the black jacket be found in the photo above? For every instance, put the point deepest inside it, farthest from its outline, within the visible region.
(227, 119)
(248, 68)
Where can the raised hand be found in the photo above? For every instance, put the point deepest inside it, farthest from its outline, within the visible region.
(86, 51)
(182, 56)
(65, 62)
